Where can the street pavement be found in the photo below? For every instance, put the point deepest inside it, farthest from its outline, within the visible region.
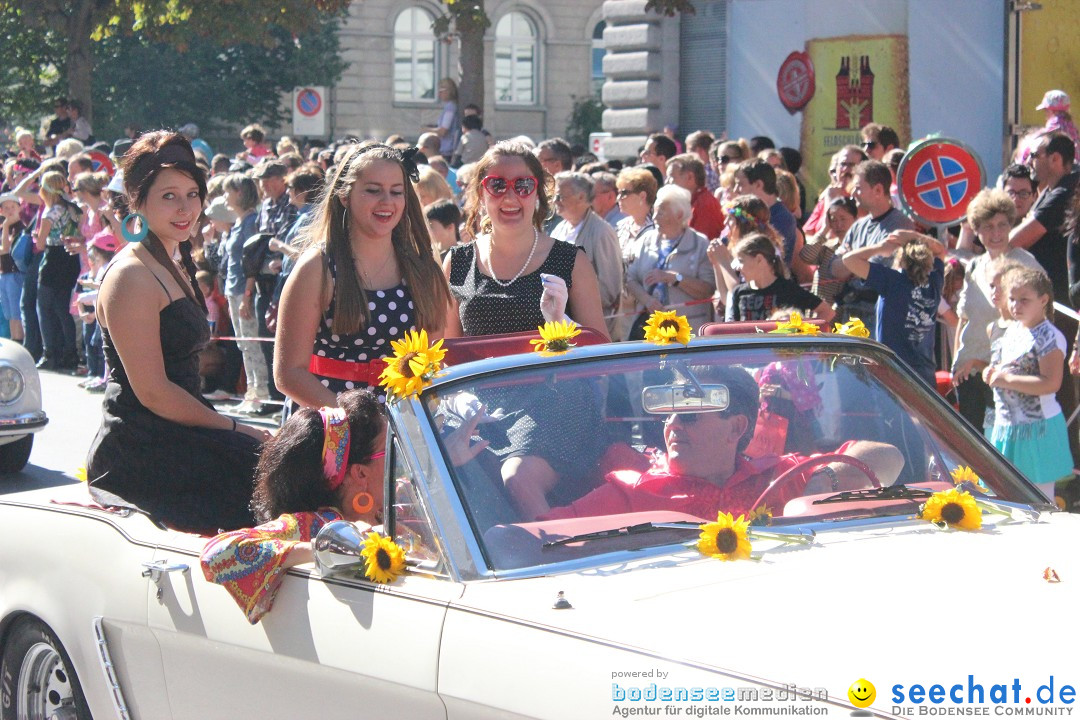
(60, 448)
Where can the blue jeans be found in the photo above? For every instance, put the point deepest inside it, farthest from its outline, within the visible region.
(95, 355)
(57, 326)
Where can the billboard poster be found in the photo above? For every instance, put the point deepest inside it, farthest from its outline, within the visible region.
(860, 79)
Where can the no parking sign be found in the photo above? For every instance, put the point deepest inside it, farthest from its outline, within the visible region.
(937, 179)
(309, 111)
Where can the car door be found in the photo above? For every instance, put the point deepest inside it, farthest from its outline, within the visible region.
(340, 646)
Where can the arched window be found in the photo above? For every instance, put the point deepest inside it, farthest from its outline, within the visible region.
(598, 57)
(516, 60)
(416, 57)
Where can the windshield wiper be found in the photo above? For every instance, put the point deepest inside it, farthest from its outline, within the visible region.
(889, 492)
(624, 531)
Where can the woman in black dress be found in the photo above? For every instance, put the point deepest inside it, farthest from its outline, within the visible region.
(367, 277)
(161, 448)
(513, 278)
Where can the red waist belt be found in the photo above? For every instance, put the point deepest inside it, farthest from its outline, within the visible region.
(361, 372)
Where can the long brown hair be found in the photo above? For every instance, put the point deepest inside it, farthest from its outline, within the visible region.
(474, 202)
(142, 163)
(412, 245)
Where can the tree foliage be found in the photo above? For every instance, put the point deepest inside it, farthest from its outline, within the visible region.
(178, 23)
(153, 84)
(156, 84)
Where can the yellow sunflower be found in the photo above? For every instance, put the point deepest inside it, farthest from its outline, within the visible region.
(726, 538)
(953, 507)
(759, 516)
(853, 327)
(385, 559)
(795, 325)
(413, 365)
(555, 337)
(665, 327)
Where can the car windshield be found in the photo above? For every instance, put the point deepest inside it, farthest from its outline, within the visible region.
(792, 433)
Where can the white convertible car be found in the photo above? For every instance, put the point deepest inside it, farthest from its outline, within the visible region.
(611, 609)
(20, 406)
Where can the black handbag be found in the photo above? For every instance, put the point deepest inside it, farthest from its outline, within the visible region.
(255, 250)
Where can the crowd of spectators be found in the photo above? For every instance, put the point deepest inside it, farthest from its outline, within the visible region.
(721, 230)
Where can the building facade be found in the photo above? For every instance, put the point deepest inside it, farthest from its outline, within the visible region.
(920, 66)
(539, 57)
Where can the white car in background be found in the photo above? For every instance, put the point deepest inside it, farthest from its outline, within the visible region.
(20, 406)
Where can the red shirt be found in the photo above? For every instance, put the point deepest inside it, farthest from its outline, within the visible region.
(708, 217)
(629, 491)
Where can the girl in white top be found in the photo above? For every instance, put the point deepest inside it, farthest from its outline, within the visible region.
(1027, 365)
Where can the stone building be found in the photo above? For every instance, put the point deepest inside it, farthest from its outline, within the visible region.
(539, 56)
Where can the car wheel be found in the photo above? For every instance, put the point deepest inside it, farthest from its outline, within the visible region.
(37, 677)
(15, 455)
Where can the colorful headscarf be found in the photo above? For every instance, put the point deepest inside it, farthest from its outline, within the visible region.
(335, 450)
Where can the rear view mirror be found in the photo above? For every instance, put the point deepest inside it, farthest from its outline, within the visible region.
(666, 399)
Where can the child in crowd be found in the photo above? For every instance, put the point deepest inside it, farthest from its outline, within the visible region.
(99, 252)
(220, 361)
(473, 144)
(1026, 368)
(767, 285)
(443, 221)
(908, 295)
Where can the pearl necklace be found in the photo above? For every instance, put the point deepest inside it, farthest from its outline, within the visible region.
(500, 283)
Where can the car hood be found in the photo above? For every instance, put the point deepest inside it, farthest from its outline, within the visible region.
(899, 603)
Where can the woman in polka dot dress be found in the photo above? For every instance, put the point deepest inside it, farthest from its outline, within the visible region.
(350, 293)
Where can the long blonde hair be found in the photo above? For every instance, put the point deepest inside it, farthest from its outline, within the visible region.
(412, 245)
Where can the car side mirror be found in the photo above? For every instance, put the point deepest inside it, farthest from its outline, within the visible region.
(337, 547)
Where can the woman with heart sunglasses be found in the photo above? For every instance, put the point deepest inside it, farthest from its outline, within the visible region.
(512, 278)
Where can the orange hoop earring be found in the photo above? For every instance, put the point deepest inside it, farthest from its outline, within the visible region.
(363, 502)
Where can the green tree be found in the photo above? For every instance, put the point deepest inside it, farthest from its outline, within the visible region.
(153, 84)
(176, 22)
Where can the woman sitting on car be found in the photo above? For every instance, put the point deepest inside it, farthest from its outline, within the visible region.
(324, 465)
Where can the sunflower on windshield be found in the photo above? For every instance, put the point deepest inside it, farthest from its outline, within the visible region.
(725, 539)
(665, 327)
(853, 327)
(955, 508)
(795, 325)
(414, 364)
(555, 337)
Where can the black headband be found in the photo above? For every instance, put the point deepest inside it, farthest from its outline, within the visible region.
(406, 157)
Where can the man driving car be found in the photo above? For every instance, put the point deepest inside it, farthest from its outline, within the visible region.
(705, 469)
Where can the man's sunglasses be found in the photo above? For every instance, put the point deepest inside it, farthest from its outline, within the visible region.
(869, 145)
(496, 185)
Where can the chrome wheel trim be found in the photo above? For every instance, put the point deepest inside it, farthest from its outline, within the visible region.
(44, 686)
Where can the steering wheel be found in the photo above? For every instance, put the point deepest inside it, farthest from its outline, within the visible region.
(812, 462)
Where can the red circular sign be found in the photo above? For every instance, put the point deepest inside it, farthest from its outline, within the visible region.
(937, 179)
(101, 161)
(795, 81)
(308, 102)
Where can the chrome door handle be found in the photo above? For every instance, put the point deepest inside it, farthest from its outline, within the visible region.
(157, 569)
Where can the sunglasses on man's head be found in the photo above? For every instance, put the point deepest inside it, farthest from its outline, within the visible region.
(869, 145)
(496, 185)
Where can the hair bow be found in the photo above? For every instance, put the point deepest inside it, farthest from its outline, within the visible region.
(408, 161)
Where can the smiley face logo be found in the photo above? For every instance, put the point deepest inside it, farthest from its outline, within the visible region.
(861, 693)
